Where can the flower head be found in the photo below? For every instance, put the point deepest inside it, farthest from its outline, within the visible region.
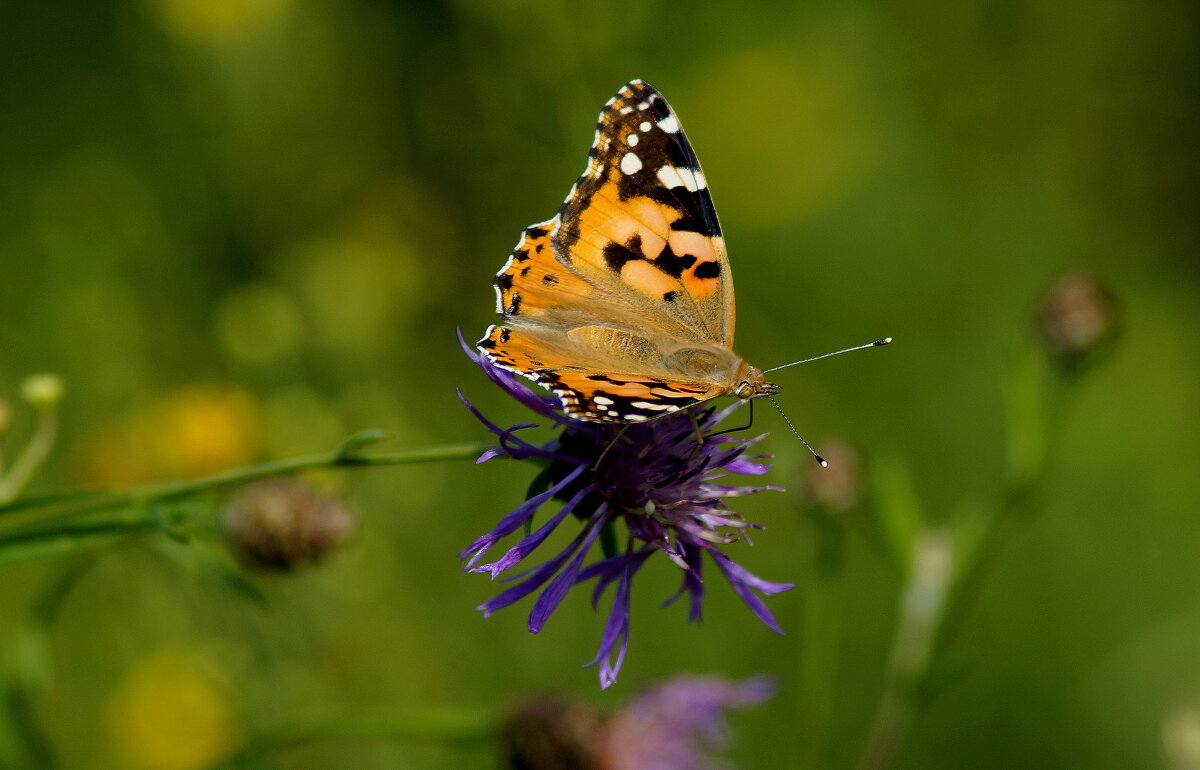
(1078, 318)
(281, 524)
(674, 725)
(660, 479)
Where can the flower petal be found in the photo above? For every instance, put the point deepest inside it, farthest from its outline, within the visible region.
(742, 581)
(550, 598)
(510, 384)
(522, 549)
(512, 521)
(616, 630)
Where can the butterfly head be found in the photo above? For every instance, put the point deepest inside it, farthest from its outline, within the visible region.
(753, 384)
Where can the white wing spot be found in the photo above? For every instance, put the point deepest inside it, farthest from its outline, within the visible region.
(630, 164)
(643, 105)
(626, 110)
(602, 400)
(645, 126)
(652, 406)
(632, 139)
(681, 177)
(669, 124)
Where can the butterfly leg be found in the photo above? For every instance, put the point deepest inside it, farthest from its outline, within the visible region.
(611, 444)
(740, 427)
(691, 413)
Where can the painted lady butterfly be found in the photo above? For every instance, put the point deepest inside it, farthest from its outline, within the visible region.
(622, 305)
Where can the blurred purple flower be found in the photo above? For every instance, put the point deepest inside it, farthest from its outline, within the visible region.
(675, 725)
(656, 477)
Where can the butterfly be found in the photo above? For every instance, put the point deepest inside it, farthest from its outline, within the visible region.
(622, 304)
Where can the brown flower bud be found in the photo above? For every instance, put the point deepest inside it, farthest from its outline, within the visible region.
(547, 733)
(1077, 317)
(838, 487)
(281, 524)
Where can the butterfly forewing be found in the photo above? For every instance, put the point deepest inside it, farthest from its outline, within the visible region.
(641, 219)
(622, 305)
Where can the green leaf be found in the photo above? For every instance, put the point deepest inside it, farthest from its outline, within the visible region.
(608, 539)
(1025, 396)
(898, 517)
(42, 544)
(360, 440)
(213, 565)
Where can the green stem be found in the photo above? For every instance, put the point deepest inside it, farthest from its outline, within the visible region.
(1034, 426)
(32, 457)
(821, 629)
(89, 502)
(1035, 409)
(922, 604)
(456, 726)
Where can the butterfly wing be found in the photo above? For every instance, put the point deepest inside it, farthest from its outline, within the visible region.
(598, 390)
(640, 220)
(623, 303)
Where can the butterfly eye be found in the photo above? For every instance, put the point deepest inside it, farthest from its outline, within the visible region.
(744, 390)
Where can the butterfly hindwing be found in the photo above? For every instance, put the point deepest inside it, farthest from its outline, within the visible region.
(594, 392)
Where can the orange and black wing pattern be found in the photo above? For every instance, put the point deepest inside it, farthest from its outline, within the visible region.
(632, 269)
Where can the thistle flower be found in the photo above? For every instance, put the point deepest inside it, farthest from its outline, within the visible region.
(658, 478)
(675, 725)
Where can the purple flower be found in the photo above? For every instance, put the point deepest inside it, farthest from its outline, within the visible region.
(656, 477)
(676, 725)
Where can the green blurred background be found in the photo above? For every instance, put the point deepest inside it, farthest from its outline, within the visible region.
(245, 229)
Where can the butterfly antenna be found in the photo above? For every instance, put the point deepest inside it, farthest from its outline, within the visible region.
(874, 344)
(788, 420)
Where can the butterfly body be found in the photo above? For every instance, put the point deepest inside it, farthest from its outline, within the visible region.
(622, 305)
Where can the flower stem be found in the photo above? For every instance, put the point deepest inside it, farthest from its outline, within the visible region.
(451, 726)
(922, 603)
(31, 458)
(160, 493)
(927, 627)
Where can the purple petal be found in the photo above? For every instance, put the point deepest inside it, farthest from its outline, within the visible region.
(538, 576)
(747, 467)
(512, 521)
(615, 567)
(522, 549)
(693, 584)
(550, 598)
(489, 454)
(742, 581)
(616, 630)
(508, 382)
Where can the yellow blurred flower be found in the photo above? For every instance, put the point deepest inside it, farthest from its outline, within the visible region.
(193, 431)
(173, 711)
(202, 429)
(216, 19)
